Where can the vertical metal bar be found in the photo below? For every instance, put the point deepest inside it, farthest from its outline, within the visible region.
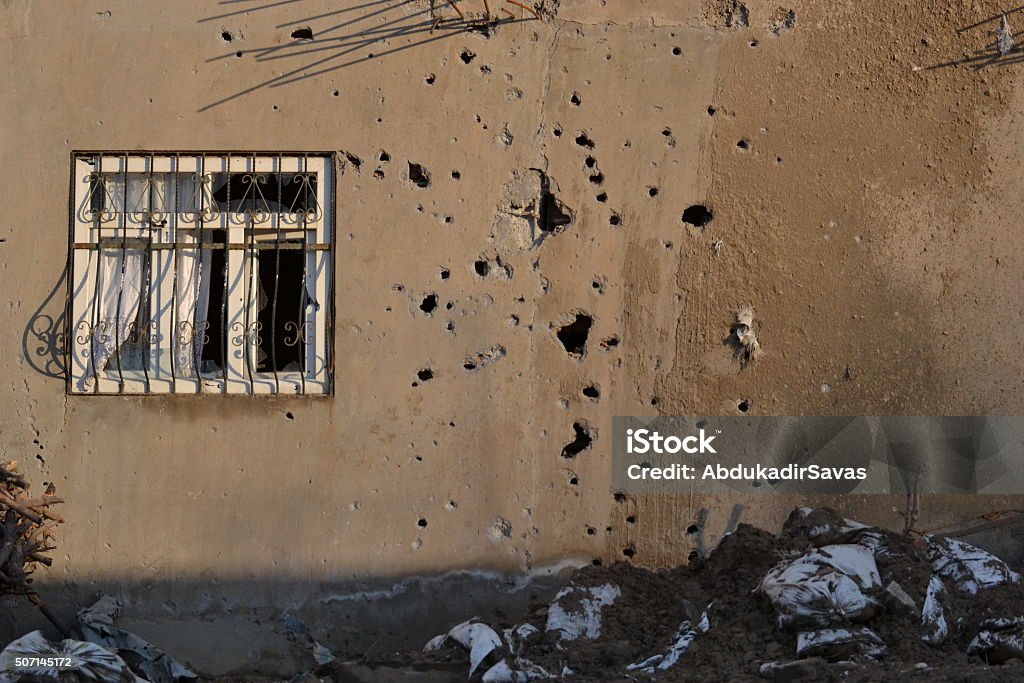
(148, 269)
(227, 271)
(197, 354)
(94, 315)
(69, 271)
(277, 275)
(120, 286)
(301, 332)
(250, 264)
(172, 228)
(331, 275)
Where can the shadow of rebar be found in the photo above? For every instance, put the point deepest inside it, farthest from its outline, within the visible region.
(44, 339)
(336, 46)
(990, 55)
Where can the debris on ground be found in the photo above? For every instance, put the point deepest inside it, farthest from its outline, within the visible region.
(78, 661)
(98, 625)
(827, 598)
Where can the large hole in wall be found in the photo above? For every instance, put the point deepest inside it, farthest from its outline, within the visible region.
(574, 334)
(583, 437)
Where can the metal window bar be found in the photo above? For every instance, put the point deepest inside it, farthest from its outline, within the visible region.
(160, 215)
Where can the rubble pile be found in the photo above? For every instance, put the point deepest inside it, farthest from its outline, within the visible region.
(827, 598)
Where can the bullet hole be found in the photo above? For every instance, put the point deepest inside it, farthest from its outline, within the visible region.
(422, 523)
(557, 131)
(711, 110)
(597, 178)
(467, 56)
(456, 175)
(513, 320)
(445, 273)
(226, 36)
(677, 51)
(584, 141)
(609, 343)
(354, 160)
(378, 174)
(697, 215)
(449, 306)
(743, 405)
(384, 157)
(275, 107)
(652, 192)
(655, 400)
(451, 506)
(425, 375)
(576, 100)
(666, 132)
(238, 54)
(592, 392)
(418, 175)
(590, 162)
(754, 43)
(303, 34)
(693, 556)
(581, 441)
(598, 284)
(615, 220)
(668, 245)
(429, 80)
(619, 498)
(692, 529)
(574, 480)
(629, 550)
(484, 358)
(493, 268)
(743, 145)
(429, 304)
(602, 197)
(289, 416)
(591, 531)
(554, 215)
(336, 93)
(778, 160)
(574, 335)
(398, 288)
(631, 519)
(450, 326)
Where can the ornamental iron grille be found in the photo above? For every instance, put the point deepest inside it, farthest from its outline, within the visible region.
(201, 273)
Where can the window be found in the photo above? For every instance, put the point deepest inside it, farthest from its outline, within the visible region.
(201, 273)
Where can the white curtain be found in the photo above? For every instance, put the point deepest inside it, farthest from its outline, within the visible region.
(124, 336)
(118, 295)
(192, 301)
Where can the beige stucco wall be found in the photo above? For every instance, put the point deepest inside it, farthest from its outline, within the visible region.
(867, 222)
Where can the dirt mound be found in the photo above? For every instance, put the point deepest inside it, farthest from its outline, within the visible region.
(711, 619)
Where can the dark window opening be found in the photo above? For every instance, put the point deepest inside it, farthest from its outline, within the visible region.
(215, 335)
(282, 308)
(273, 192)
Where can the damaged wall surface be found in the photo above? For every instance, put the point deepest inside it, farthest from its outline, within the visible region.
(541, 223)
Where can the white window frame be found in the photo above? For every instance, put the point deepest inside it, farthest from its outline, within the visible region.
(166, 235)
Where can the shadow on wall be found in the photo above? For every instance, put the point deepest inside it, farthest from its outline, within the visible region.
(44, 340)
(331, 41)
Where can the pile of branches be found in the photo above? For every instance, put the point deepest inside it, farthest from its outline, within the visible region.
(27, 531)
